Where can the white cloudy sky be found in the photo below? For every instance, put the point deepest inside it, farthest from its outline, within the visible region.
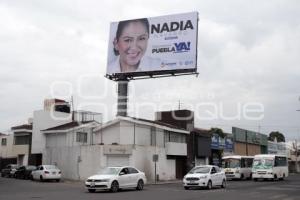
(248, 52)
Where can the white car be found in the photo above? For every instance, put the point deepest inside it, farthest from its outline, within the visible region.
(204, 176)
(46, 172)
(114, 178)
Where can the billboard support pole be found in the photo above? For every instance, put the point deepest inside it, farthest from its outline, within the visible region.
(122, 96)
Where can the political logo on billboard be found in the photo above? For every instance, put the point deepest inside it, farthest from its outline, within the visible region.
(153, 44)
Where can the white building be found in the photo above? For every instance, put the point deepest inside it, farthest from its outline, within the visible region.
(81, 150)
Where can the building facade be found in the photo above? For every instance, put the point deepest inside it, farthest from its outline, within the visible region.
(248, 142)
(158, 149)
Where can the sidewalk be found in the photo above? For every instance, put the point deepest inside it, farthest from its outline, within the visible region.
(164, 182)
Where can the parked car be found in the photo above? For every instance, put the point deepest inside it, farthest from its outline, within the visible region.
(204, 176)
(114, 178)
(24, 172)
(9, 170)
(46, 172)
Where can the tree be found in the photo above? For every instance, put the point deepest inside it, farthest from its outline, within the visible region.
(217, 131)
(276, 134)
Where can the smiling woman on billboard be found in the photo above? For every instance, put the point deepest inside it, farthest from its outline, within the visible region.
(130, 45)
(153, 46)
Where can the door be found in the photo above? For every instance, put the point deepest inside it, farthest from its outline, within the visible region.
(214, 176)
(36, 174)
(180, 167)
(117, 160)
(134, 176)
(124, 178)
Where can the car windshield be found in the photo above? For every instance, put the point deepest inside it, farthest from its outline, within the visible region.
(231, 163)
(31, 167)
(14, 166)
(263, 163)
(200, 170)
(109, 171)
(50, 167)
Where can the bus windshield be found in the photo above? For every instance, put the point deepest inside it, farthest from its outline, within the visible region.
(263, 163)
(231, 163)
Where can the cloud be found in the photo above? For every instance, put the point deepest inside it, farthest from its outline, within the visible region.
(247, 52)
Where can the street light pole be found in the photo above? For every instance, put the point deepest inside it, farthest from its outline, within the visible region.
(246, 143)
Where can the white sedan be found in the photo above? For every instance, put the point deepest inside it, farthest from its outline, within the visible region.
(204, 176)
(114, 178)
(46, 172)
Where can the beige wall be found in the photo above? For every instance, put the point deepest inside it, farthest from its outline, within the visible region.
(240, 149)
(20, 149)
(6, 151)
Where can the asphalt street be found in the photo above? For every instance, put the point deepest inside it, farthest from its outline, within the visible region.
(289, 189)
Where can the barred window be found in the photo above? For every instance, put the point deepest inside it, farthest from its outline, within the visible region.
(81, 137)
(153, 136)
(22, 140)
(3, 142)
(174, 137)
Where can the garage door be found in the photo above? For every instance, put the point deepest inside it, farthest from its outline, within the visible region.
(117, 160)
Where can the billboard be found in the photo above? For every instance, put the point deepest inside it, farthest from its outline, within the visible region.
(153, 46)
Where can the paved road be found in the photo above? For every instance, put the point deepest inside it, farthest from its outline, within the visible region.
(14, 189)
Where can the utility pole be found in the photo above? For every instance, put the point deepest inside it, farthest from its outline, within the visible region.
(246, 143)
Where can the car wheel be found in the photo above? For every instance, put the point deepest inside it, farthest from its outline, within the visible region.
(41, 178)
(91, 190)
(209, 185)
(275, 178)
(186, 187)
(242, 177)
(223, 184)
(114, 186)
(140, 185)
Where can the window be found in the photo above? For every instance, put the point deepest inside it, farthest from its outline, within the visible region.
(81, 137)
(4, 142)
(132, 170)
(153, 136)
(280, 161)
(174, 137)
(213, 170)
(22, 140)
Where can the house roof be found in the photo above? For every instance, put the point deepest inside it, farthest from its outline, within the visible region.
(23, 127)
(201, 132)
(156, 124)
(66, 127)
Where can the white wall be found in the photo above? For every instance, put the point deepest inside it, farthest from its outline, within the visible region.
(142, 158)
(126, 132)
(142, 135)
(80, 162)
(76, 162)
(110, 135)
(43, 120)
